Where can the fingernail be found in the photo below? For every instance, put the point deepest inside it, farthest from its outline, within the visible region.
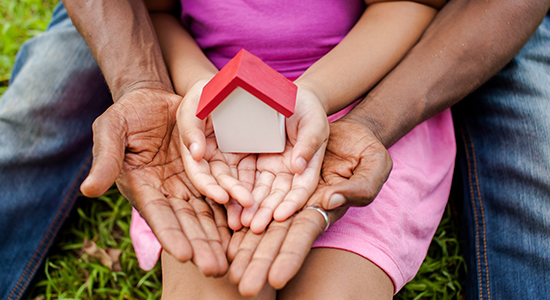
(193, 148)
(202, 274)
(336, 200)
(301, 163)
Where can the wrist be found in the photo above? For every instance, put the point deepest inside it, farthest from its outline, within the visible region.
(304, 84)
(123, 88)
(387, 122)
(359, 116)
(123, 43)
(198, 79)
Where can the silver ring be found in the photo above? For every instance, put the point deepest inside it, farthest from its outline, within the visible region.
(323, 213)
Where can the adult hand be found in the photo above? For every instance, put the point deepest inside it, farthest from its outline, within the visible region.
(286, 180)
(355, 167)
(136, 143)
(227, 178)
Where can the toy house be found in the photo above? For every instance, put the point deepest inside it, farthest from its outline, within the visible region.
(248, 102)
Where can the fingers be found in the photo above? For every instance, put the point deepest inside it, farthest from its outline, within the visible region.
(262, 188)
(263, 216)
(255, 274)
(202, 179)
(304, 230)
(248, 213)
(191, 128)
(364, 184)
(238, 190)
(245, 243)
(157, 211)
(234, 211)
(303, 186)
(209, 258)
(277, 254)
(108, 152)
(309, 128)
(221, 222)
(185, 229)
(246, 171)
(356, 166)
(235, 242)
(286, 192)
(308, 143)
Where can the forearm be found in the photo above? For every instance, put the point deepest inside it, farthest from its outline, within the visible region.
(466, 44)
(186, 62)
(379, 40)
(123, 42)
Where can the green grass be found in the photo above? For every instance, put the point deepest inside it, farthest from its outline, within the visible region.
(69, 273)
(21, 20)
(441, 275)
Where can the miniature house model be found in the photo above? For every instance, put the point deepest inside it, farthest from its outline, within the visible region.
(248, 102)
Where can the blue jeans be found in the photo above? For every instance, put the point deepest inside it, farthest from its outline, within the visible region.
(56, 92)
(503, 137)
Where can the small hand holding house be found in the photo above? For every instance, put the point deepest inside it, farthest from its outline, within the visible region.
(248, 101)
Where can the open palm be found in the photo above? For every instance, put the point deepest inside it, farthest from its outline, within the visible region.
(283, 184)
(136, 142)
(355, 167)
(227, 178)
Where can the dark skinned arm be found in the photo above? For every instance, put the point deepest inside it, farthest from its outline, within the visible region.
(123, 42)
(467, 43)
(136, 141)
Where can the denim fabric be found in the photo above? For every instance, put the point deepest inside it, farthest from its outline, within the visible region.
(503, 131)
(45, 143)
(503, 137)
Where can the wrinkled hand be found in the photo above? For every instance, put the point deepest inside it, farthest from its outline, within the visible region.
(136, 143)
(355, 167)
(227, 178)
(286, 180)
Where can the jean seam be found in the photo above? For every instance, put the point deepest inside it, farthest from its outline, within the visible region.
(46, 241)
(473, 189)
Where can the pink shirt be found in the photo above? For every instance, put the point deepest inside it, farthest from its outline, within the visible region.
(393, 232)
(288, 35)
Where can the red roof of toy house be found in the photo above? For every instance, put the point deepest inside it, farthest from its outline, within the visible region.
(252, 74)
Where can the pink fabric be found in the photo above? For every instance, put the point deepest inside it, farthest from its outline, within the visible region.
(393, 232)
(288, 35)
(339, 114)
(145, 242)
(396, 229)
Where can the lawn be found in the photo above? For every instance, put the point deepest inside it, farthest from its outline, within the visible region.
(70, 272)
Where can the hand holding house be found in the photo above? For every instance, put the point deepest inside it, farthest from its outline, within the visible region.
(248, 102)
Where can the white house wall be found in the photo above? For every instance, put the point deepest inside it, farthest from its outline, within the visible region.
(245, 124)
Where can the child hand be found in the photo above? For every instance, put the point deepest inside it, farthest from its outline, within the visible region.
(219, 176)
(286, 180)
(355, 166)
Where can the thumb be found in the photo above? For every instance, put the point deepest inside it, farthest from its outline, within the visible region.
(312, 134)
(361, 188)
(190, 127)
(108, 156)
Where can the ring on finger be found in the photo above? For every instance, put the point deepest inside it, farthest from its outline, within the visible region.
(323, 213)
